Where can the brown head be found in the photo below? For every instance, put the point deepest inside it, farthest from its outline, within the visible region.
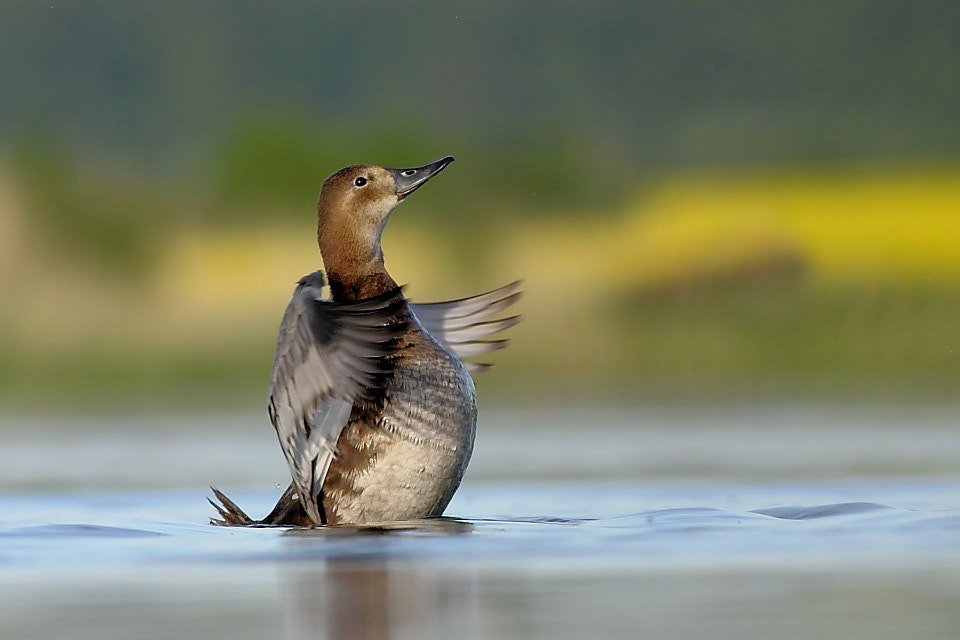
(352, 211)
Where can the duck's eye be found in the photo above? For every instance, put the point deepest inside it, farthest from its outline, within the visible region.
(360, 181)
(408, 172)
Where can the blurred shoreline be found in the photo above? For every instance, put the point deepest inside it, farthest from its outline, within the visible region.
(708, 202)
(711, 286)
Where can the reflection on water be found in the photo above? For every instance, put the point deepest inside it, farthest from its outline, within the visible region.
(368, 596)
(548, 551)
(374, 599)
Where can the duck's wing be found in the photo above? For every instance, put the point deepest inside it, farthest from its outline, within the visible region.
(328, 355)
(462, 325)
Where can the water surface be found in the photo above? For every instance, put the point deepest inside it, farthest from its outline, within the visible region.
(746, 522)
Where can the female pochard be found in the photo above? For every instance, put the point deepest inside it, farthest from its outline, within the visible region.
(373, 405)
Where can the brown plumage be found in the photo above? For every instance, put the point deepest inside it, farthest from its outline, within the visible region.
(374, 408)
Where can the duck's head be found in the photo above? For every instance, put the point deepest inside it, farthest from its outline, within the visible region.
(353, 209)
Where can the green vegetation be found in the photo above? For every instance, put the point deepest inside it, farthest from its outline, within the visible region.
(647, 84)
(823, 284)
(707, 200)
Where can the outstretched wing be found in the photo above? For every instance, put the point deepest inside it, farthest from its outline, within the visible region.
(461, 325)
(328, 355)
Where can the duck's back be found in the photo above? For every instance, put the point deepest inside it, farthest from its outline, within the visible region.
(402, 456)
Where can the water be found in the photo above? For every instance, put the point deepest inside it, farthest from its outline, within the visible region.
(782, 522)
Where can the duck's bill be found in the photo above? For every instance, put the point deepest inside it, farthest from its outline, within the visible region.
(409, 180)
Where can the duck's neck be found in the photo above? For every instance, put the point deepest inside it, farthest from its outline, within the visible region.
(353, 261)
(357, 286)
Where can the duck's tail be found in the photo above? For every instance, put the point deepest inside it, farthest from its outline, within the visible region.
(230, 513)
(288, 512)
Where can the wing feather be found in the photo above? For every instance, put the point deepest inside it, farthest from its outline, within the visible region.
(431, 312)
(328, 356)
(462, 325)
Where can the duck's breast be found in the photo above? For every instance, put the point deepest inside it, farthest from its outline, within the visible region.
(406, 459)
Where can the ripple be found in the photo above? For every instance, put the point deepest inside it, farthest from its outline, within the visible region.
(792, 512)
(77, 531)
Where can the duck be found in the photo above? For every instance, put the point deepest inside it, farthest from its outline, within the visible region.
(371, 395)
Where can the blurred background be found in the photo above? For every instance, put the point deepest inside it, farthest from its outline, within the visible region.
(738, 224)
(718, 202)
